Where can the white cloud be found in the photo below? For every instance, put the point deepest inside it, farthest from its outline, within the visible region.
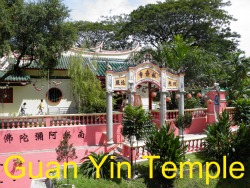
(92, 10)
(240, 11)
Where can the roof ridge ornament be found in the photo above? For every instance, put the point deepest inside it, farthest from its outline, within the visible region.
(108, 66)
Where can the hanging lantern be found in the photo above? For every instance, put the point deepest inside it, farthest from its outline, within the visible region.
(168, 99)
(177, 96)
(153, 94)
(209, 101)
(198, 95)
(189, 96)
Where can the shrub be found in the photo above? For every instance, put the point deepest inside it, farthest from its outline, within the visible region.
(162, 142)
(183, 122)
(66, 151)
(242, 111)
(135, 121)
(88, 169)
(192, 103)
(221, 141)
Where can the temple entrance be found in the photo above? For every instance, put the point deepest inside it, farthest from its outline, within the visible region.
(142, 83)
(147, 95)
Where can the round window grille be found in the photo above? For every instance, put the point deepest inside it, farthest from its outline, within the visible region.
(54, 95)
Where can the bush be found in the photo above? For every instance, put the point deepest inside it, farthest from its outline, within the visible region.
(242, 111)
(183, 122)
(66, 151)
(192, 103)
(162, 142)
(221, 141)
(135, 122)
(88, 169)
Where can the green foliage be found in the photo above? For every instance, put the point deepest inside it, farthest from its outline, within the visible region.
(162, 142)
(204, 20)
(65, 151)
(88, 169)
(183, 122)
(191, 103)
(241, 143)
(86, 88)
(242, 111)
(221, 141)
(135, 122)
(36, 31)
(218, 140)
(106, 31)
(188, 118)
(238, 86)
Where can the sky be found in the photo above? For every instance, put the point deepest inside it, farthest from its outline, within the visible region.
(92, 10)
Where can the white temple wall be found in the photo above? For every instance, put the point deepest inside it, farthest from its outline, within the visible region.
(34, 92)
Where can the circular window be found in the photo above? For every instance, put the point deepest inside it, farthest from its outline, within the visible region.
(54, 95)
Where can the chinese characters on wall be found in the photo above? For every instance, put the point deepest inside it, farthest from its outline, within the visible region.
(39, 136)
(147, 73)
(172, 84)
(120, 82)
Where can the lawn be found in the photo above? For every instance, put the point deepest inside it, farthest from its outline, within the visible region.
(143, 179)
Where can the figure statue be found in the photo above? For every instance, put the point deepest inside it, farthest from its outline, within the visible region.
(108, 66)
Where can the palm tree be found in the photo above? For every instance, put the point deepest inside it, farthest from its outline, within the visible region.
(237, 69)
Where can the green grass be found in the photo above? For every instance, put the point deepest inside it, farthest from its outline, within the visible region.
(143, 181)
(81, 182)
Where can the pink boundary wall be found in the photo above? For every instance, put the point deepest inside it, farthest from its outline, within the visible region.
(94, 135)
(199, 122)
(36, 151)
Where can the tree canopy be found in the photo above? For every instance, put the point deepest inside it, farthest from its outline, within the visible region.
(204, 20)
(106, 31)
(34, 31)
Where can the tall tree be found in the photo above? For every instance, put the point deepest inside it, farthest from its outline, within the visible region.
(7, 9)
(107, 31)
(35, 31)
(204, 20)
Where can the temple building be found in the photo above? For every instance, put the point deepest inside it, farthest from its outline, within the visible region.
(55, 89)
